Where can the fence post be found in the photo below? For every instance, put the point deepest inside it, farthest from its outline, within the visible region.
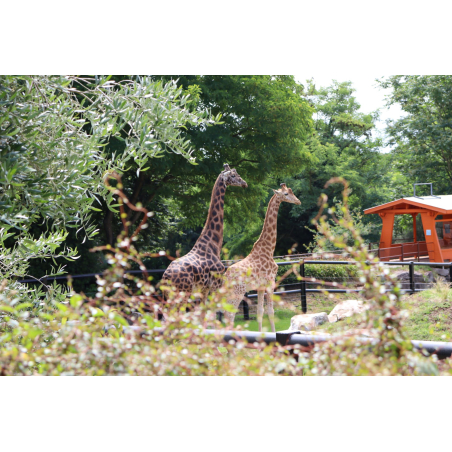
(412, 286)
(418, 252)
(450, 273)
(304, 307)
(246, 310)
(402, 257)
(44, 280)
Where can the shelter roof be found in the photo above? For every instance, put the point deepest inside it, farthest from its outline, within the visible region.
(440, 204)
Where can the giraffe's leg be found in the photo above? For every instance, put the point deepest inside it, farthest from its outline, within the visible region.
(260, 308)
(270, 310)
(203, 317)
(230, 316)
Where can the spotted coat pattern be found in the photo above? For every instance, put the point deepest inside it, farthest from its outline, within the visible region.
(258, 270)
(201, 268)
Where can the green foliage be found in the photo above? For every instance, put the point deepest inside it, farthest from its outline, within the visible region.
(339, 273)
(383, 321)
(331, 272)
(265, 123)
(429, 313)
(282, 321)
(340, 228)
(422, 137)
(53, 137)
(265, 120)
(341, 144)
(117, 333)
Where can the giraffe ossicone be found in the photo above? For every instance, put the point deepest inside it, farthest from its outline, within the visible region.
(199, 270)
(258, 270)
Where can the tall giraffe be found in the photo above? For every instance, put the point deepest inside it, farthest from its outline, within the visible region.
(258, 270)
(198, 270)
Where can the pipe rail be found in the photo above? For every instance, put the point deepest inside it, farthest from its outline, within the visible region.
(441, 349)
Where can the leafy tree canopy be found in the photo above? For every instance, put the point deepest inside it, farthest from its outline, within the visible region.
(53, 137)
(341, 145)
(422, 139)
(265, 121)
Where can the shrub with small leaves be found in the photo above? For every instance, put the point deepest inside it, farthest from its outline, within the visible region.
(118, 332)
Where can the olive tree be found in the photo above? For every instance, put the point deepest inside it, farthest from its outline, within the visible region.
(53, 134)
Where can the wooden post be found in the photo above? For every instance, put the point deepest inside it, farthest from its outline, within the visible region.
(386, 233)
(414, 227)
(431, 238)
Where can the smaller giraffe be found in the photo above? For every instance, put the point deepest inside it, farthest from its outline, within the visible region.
(258, 270)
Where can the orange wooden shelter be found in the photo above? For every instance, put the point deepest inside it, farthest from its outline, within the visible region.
(436, 216)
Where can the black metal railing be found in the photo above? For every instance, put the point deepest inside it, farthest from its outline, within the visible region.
(303, 290)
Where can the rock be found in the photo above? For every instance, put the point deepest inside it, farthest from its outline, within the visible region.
(443, 272)
(404, 278)
(347, 308)
(307, 322)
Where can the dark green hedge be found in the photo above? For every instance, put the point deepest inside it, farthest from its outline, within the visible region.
(337, 273)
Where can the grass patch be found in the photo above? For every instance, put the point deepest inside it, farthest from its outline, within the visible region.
(282, 321)
(348, 323)
(283, 314)
(430, 314)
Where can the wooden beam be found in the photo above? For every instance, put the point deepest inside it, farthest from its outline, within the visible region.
(407, 211)
(386, 230)
(415, 206)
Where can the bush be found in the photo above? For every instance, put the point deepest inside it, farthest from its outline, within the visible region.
(53, 136)
(117, 331)
(327, 272)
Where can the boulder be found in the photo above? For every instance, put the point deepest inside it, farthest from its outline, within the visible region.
(347, 308)
(307, 322)
(443, 272)
(404, 278)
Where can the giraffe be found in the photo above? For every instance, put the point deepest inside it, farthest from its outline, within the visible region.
(198, 270)
(258, 270)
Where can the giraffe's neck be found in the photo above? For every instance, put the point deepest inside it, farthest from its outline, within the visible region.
(212, 234)
(265, 245)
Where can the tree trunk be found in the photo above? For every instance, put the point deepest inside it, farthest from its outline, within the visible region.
(108, 227)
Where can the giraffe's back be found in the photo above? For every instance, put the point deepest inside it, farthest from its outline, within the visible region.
(194, 272)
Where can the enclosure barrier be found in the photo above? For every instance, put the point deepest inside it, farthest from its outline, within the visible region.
(303, 291)
(441, 349)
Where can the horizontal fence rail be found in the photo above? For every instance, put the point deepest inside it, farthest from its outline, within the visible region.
(441, 349)
(303, 284)
(46, 279)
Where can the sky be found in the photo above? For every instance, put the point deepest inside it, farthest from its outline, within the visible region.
(367, 93)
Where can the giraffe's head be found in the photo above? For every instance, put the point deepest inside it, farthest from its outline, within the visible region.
(231, 177)
(286, 194)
